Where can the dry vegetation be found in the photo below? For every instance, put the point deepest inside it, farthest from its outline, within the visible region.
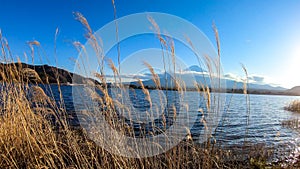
(293, 106)
(34, 131)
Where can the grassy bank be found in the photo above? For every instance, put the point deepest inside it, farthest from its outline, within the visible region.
(34, 129)
(29, 139)
(293, 106)
(34, 133)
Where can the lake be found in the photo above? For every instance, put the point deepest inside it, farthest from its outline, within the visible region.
(264, 123)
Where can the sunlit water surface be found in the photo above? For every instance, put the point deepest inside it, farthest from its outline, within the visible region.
(262, 125)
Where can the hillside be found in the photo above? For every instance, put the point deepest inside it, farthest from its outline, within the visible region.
(46, 73)
(294, 91)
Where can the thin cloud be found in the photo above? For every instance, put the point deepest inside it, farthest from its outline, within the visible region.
(257, 79)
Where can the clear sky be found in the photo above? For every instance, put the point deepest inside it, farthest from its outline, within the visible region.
(263, 35)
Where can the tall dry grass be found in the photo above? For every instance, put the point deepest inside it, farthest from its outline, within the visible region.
(34, 130)
(294, 106)
(28, 139)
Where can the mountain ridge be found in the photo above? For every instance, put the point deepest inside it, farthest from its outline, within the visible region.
(294, 90)
(195, 68)
(50, 74)
(46, 74)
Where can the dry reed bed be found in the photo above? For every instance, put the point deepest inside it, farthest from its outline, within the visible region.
(28, 139)
(34, 132)
(294, 106)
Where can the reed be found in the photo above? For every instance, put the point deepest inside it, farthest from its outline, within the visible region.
(294, 106)
(35, 133)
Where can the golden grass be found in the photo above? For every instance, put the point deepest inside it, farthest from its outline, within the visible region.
(294, 106)
(34, 131)
(28, 139)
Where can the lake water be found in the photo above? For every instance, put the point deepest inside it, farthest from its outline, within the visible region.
(264, 123)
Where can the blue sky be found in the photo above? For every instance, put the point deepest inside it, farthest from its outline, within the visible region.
(263, 35)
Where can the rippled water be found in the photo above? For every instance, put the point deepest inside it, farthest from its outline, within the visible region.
(264, 126)
(265, 121)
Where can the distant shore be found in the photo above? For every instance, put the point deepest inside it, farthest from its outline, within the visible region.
(53, 75)
(235, 91)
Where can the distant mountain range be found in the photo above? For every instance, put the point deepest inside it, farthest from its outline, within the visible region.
(50, 74)
(196, 74)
